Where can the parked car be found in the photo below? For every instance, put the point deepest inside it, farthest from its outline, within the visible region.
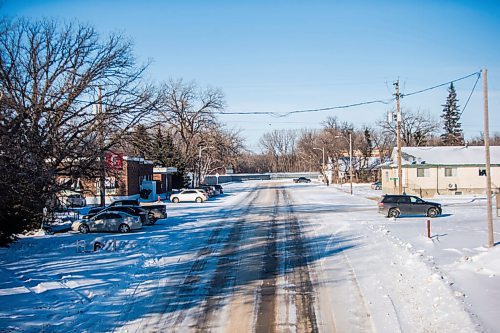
(396, 205)
(210, 190)
(376, 185)
(156, 211)
(302, 180)
(108, 221)
(132, 210)
(196, 195)
(128, 202)
(76, 200)
(219, 187)
(152, 212)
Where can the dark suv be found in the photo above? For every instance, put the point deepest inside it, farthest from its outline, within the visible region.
(395, 205)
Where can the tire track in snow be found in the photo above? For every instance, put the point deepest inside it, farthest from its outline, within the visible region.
(266, 295)
(222, 283)
(299, 279)
(193, 286)
(179, 300)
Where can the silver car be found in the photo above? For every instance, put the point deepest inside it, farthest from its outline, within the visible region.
(108, 221)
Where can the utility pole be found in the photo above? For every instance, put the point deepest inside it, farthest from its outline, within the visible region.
(102, 164)
(398, 138)
(491, 241)
(350, 158)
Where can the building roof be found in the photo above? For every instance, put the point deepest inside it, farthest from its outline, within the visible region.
(447, 155)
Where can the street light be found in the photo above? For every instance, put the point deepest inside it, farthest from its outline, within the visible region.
(201, 148)
(350, 155)
(323, 161)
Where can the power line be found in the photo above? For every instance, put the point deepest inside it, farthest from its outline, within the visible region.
(471, 92)
(440, 85)
(286, 114)
(381, 101)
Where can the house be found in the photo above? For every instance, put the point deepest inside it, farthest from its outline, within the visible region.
(446, 170)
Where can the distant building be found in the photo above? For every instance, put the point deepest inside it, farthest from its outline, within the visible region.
(126, 176)
(428, 171)
(163, 178)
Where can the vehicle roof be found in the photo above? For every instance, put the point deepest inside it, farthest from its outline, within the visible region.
(114, 212)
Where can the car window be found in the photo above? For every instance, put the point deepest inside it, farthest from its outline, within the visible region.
(403, 199)
(101, 217)
(113, 216)
(189, 192)
(390, 199)
(416, 200)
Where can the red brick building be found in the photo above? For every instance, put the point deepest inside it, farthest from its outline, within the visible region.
(126, 176)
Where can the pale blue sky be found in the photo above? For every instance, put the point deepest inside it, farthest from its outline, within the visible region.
(281, 56)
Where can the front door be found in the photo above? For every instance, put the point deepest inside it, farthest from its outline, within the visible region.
(417, 205)
(99, 222)
(113, 222)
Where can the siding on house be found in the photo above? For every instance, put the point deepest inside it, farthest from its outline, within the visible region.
(465, 175)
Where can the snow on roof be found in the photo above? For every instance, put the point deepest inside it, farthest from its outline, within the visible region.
(447, 155)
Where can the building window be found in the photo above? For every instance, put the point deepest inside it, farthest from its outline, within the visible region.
(387, 176)
(422, 172)
(482, 172)
(450, 172)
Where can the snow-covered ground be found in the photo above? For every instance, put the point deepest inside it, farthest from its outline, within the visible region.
(451, 282)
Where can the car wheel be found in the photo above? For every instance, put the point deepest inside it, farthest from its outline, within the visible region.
(123, 228)
(394, 213)
(199, 200)
(84, 229)
(432, 212)
(175, 200)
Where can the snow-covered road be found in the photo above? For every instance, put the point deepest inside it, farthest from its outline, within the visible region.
(266, 257)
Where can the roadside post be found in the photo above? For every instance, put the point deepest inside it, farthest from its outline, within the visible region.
(497, 203)
(428, 228)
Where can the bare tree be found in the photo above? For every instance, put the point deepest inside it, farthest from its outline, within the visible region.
(189, 111)
(416, 127)
(280, 146)
(226, 146)
(478, 140)
(49, 78)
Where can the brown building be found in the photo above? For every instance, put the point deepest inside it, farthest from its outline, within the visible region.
(126, 176)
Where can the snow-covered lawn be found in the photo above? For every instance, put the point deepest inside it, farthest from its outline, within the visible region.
(46, 283)
(456, 251)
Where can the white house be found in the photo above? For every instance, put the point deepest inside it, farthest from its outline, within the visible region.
(428, 171)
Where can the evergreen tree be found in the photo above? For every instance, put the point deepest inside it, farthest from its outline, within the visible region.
(453, 134)
(163, 151)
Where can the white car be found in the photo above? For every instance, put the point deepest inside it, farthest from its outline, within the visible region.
(108, 221)
(196, 195)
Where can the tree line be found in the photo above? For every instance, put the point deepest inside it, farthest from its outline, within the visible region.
(68, 94)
